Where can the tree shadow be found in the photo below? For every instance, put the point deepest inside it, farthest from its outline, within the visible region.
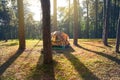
(115, 59)
(94, 45)
(109, 46)
(44, 71)
(11, 44)
(83, 71)
(5, 65)
(30, 51)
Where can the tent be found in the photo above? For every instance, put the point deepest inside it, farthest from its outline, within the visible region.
(59, 39)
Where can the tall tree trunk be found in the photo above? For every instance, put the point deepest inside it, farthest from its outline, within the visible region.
(47, 51)
(68, 21)
(118, 34)
(79, 19)
(115, 11)
(75, 29)
(5, 24)
(87, 21)
(21, 25)
(96, 21)
(106, 22)
(68, 27)
(55, 15)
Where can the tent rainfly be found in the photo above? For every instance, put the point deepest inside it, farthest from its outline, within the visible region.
(59, 39)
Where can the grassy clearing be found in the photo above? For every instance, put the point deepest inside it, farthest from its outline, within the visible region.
(91, 60)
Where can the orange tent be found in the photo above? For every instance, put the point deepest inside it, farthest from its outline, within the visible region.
(59, 38)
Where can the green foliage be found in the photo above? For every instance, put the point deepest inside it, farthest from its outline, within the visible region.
(33, 28)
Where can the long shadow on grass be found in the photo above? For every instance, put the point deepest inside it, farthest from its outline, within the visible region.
(44, 71)
(11, 44)
(91, 44)
(5, 65)
(102, 54)
(30, 51)
(83, 71)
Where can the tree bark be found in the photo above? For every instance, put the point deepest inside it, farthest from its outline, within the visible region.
(75, 29)
(68, 27)
(55, 15)
(21, 29)
(118, 34)
(106, 22)
(87, 21)
(45, 4)
(96, 21)
(79, 19)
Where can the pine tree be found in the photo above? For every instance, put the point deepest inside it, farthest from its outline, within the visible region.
(118, 35)
(21, 25)
(47, 51)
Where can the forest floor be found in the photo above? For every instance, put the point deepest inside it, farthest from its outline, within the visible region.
(90, 60)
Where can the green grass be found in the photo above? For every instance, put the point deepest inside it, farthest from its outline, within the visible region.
(91, 60)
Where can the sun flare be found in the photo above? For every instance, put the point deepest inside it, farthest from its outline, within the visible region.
(35, 7)
(36, 13)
